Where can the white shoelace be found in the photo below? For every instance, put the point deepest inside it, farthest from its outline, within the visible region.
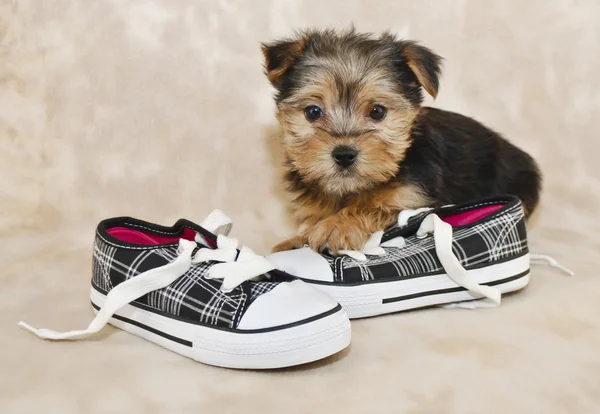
(542, 259)
(374, 246)
(233, 273)
(442, 234)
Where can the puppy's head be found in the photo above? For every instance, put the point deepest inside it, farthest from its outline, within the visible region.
(346, 103)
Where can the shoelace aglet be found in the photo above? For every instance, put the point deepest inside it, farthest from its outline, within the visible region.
(564, 269)
(544, 259)
(27, 327)
(42, 333)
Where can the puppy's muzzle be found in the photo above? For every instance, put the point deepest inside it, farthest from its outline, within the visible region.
(344, 156)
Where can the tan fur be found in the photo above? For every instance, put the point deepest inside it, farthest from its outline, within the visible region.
(291, 244)
(347, 223)
(382, 145)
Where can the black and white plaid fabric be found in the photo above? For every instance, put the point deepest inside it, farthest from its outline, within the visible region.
(501, 237)
(260, 288)
(191, 297)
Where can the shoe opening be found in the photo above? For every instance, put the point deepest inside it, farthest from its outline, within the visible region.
(468, 217)
(134, 236)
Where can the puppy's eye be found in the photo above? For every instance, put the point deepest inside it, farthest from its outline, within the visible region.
(378, 112)
(313, 112)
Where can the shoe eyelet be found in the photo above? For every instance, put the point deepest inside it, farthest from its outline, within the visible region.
(225, 290)
(423, 236)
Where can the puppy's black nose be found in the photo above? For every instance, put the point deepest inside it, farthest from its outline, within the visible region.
(344, 156)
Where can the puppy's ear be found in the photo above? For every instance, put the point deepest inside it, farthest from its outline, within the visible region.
(425, 64)
(279, 58)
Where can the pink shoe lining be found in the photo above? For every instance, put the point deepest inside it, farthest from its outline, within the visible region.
(129, 235)
(471, 216)
(139, 237)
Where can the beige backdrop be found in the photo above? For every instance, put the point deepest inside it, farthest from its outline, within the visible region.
(159, 109)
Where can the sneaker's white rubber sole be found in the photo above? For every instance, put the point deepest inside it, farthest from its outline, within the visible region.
(381, 297)
(306, 341)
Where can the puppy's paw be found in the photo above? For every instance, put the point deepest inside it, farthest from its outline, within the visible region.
(291, 244)
(335, 234)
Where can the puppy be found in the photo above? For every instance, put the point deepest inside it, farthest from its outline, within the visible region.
(360, 147)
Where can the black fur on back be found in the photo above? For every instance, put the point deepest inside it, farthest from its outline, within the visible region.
(455, 159)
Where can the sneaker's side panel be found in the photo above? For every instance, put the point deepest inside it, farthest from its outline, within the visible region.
(371, 299)
(198, 298)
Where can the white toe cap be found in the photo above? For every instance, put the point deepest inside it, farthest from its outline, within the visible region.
(304, 263)
(288, 302)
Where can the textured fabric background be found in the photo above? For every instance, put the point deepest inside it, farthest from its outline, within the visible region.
(159, 109)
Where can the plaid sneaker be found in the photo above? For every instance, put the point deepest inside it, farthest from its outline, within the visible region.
(195, 293)
(431, 257)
